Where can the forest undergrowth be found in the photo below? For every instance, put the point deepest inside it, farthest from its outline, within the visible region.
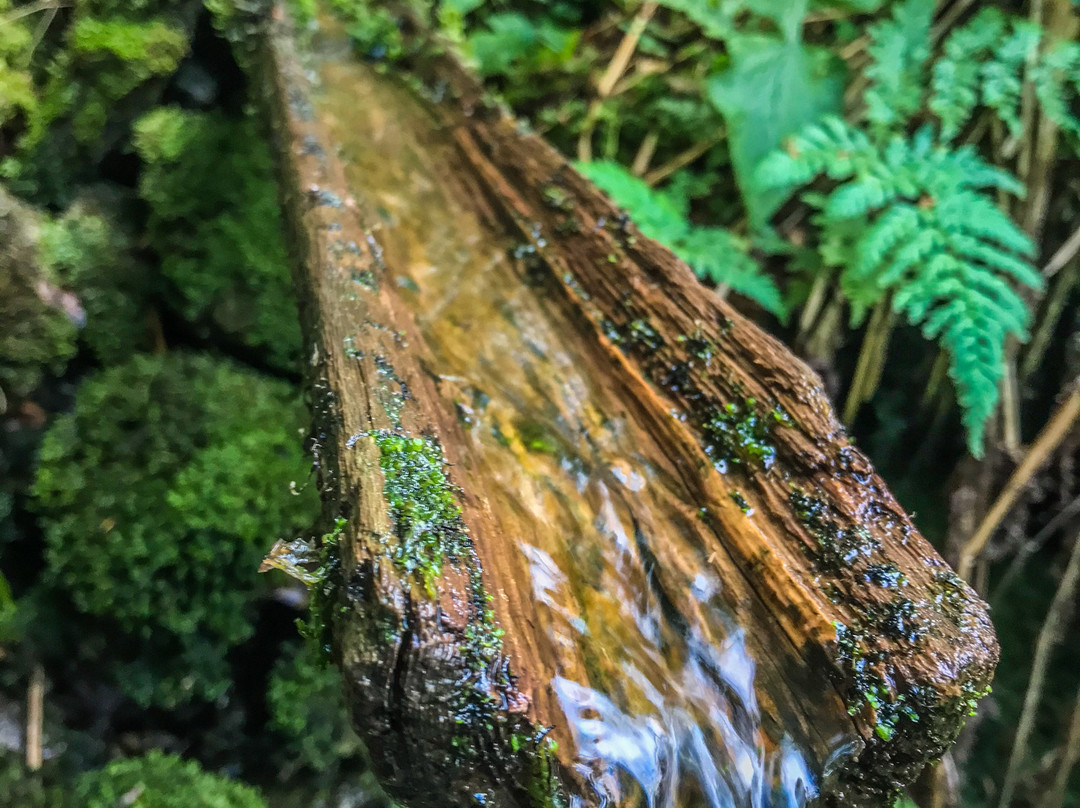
(890, 186)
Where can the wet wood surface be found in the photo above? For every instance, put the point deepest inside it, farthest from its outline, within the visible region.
(673, 580)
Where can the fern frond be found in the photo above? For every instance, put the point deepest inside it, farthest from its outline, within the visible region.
(899, 49)
(831, 147)
(1002, 77)
(712, 252)
(716, 254)
(954, 88)
(1057, 84)
(911, 219)
(654, 214)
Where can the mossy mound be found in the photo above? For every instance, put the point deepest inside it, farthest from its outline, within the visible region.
(307, 710)
(37, 334)
(159, 495)
(158, 780)
(216, 223)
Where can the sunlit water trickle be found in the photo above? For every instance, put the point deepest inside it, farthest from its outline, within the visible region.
(695, 737)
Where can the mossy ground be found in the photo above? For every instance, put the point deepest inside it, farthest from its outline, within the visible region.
(153, 430)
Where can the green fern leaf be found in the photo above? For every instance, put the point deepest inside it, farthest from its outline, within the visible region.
(899, 48)
(911, 219)
(712, 252)
(1057, 84)
(954, 89)
(718, 255)
(1002, 77)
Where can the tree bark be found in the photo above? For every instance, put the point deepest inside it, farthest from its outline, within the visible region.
(605, 539)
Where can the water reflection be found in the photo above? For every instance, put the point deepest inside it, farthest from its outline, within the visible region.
(694, 736)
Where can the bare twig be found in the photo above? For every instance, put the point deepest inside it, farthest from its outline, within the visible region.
(39, 33)
(1049, 636)
(1070, 756)
(948, 20)
(1052, 308)
(615, 69)
(617, 66)
(679, 161)
(814, 302)
(1062, 255)
(871, 360)
(645, 153)
(34, 8)
(1061, 519)
(1052, 434)
(1010, 406)
(35, 718)
(938, 373)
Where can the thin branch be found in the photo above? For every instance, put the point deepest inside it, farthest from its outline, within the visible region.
(1063, 255)
(39, 34)
(1052, 308)
(34, 8)
(645, 153)
(869, 365)
(615, 69)
(948, 20)
(35, 718)
(660, 174)
(1051, 436)
(1049, 637)
(1016, 566)
(617, 66)
(1070, 756)
(1010, 405)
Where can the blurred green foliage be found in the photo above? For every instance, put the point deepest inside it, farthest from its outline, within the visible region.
(157, 780)
(38, 336)
(714, 253)
(113, 59)
(307, 710)
(216, 222)
(22, 788)
(90, 253)
(159, 494)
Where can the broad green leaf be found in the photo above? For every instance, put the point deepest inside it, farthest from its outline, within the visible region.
(772, 89)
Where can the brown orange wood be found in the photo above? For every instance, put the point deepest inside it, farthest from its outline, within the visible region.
(673, 579)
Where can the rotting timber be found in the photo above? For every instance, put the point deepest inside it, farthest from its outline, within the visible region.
(603, 539)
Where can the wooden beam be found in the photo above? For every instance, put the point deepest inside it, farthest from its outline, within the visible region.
(605, 539)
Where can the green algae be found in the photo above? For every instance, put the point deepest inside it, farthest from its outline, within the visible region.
(535, 437)
(740, 500)
(423, 505)
(739, 432)
(835, 547)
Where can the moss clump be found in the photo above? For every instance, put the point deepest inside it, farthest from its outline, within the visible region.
(37, 334)
(835, 547)
(740, 433)
(308, 712)
(17, 96)
(374, 30)
(159, 494)
(740, 500)
(427, 519)
(158, 780)
(111, 63)
(89, 254)
(22, 788)
(217, 225)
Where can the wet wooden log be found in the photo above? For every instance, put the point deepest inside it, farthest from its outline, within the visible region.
(603, 538)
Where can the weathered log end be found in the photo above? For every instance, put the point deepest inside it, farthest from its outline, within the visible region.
(604, 541)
